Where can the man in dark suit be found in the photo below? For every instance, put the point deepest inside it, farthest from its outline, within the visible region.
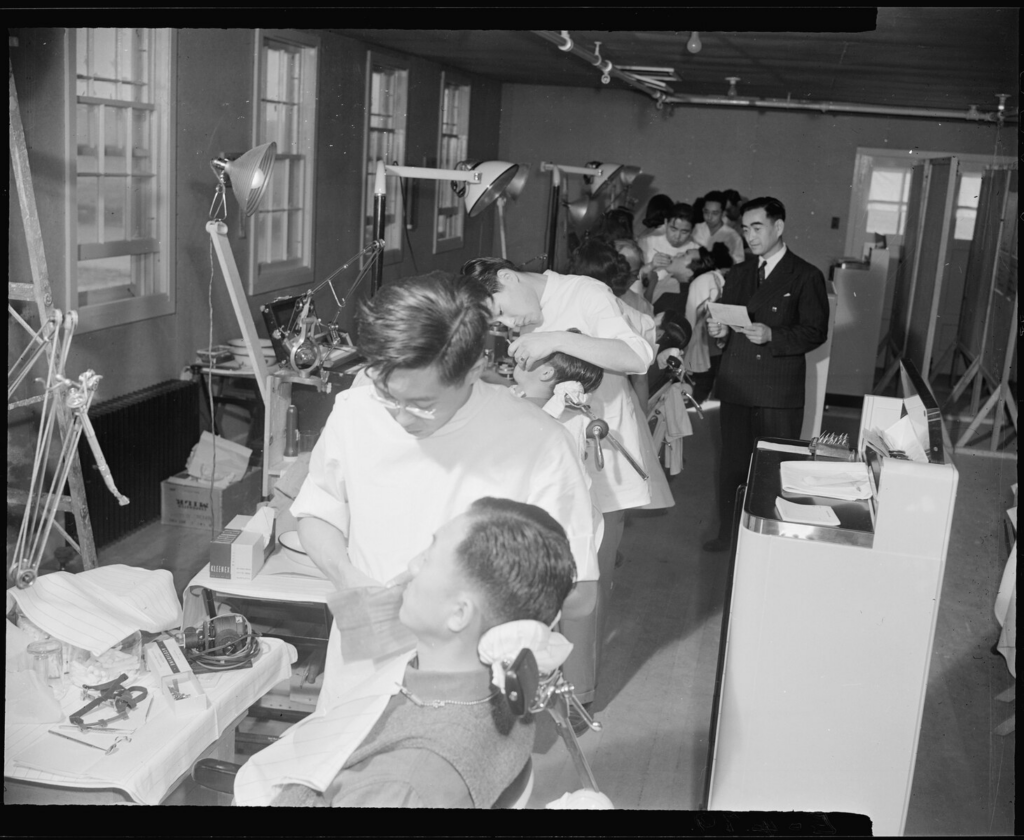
(760, 383)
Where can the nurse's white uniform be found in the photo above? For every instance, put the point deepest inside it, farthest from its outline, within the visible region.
(588, 305)
(389, 491)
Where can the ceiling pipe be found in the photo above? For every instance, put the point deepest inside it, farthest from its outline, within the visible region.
(668, 96)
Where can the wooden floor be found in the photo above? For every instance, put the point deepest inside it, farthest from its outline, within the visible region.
(655, 689)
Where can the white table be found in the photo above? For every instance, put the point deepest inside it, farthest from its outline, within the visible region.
(160, 756)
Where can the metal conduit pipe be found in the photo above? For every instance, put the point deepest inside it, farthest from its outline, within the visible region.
(662, 97)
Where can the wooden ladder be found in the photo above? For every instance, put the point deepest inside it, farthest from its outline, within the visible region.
(39, 291)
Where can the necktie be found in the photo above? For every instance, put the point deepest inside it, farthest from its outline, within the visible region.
(760, 273)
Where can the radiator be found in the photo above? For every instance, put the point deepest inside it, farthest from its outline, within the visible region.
(145, 436)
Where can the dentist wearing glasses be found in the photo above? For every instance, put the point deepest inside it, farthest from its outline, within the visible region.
(418, 445)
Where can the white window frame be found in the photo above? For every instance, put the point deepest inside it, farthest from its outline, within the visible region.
(281, 274)
(160, 302)
(447, 201)
(857, 239)
(393, 185)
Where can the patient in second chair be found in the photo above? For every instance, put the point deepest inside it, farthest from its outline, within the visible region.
(537, 383)
(432, 731)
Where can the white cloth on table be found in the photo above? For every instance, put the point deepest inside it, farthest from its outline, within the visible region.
(96, 609)
(733, 241)
(588, 305)
(162, 749)
(388, 491)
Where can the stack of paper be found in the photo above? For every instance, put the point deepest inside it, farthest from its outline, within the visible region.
(832, 479)
(807, 514)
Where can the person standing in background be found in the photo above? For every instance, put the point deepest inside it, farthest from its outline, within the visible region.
(713, 229)
(760, 382)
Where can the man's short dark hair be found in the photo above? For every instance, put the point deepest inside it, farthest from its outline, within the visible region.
(519, 557)
(484, 271)
(773, 208)
(680, 211)
(716, 195)
(418, 322)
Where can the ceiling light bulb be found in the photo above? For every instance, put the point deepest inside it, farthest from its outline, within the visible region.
(694, 44)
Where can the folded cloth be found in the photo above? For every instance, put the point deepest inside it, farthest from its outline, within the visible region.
(833, 480)
(96, 609)
(505, 641)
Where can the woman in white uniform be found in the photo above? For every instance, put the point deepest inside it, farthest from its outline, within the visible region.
(544, 307)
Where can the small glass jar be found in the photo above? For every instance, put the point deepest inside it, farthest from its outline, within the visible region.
(47, 661)
(123, 658)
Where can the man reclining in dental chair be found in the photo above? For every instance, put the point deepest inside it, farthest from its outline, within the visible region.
(433, 731)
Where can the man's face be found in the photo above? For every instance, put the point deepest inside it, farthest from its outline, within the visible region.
(677, 232)
(419, 401)
(762, 234)
(713, 215)
(515, 304)
(436, 582)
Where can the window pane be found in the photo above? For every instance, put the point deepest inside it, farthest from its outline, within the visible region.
(263, 222)
(883, 218)
(970, 189)
(88, 200)
(886, 185)
(114, 140)
(104, 56)
(964, 223)
(296, 180)
(294, 234)
(142, 143)
(143, 208)
(104, 280)
(113, 209)
(278, 244)
(86, 137)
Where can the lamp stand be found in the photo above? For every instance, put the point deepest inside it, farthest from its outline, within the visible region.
(219, 237)
(501, 226)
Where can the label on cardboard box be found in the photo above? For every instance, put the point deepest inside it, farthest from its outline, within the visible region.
(239, 550)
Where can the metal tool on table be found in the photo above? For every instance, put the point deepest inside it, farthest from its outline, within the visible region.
(124, 699)
(105, 750)
(598, 430)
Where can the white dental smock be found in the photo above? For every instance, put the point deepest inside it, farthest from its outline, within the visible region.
(389, 491)
(569, 301)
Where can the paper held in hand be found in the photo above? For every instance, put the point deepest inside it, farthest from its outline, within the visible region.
(730, 314)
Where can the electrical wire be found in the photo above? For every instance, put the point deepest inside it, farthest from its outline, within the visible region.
(212, 661)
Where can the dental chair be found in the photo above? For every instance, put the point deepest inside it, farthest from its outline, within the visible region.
(528, 692)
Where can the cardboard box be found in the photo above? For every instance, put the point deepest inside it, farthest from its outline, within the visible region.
(178, 684)
(186, 501)
(240, 549)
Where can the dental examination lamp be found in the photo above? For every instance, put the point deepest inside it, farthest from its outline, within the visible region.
(248, 176)
(514, 188)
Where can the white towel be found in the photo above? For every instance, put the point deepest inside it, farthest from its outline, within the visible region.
(96, 609)
(673, 425)
(313, 751)
(831, 479)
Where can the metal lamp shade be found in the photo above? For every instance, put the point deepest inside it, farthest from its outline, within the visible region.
(496, 175)
(515, 186)
(584, 212)
(250, 174)
(611, 171)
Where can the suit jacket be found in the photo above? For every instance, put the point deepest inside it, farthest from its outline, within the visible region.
(794, 303)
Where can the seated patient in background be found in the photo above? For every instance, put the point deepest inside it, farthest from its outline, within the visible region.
(435, 733)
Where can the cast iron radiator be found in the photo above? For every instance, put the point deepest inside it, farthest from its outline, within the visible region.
(145, 436)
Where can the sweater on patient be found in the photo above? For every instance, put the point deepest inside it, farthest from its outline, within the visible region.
(421, 756)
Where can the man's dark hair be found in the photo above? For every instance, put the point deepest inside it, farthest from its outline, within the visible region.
(716, 195)
(772, 207)
(483, 271)
(418, 322)
(680, 211)
(519, 557)
(731, 196)
(658, 208)
(573, 369)
(717, 257)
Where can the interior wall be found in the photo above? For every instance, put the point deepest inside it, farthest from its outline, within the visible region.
(214, 75)
(805, 159)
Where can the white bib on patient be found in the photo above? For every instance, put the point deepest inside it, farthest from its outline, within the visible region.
(314, 751)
